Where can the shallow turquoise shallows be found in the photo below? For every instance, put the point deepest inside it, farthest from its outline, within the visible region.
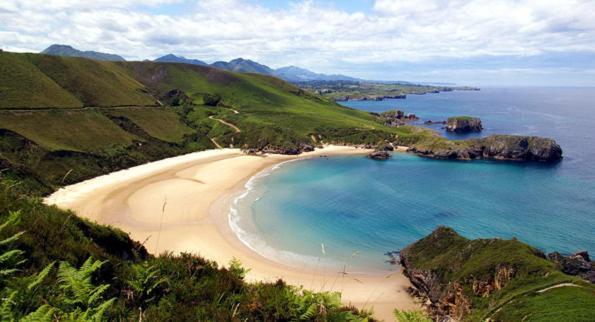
(352, 210)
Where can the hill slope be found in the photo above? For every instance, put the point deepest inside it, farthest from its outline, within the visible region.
(493, 279)
(113, 121)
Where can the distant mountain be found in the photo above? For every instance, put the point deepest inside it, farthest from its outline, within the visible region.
(65, 50)
(241, 65)
(297, 74)
(171, 58)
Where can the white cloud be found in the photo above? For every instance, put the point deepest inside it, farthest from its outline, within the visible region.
(304, 33)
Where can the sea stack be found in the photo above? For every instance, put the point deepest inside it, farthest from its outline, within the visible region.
(379, 155)
(463, 124)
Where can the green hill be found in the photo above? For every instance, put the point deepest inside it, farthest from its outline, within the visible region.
(23, 85)
(494, 279)
(113, 107)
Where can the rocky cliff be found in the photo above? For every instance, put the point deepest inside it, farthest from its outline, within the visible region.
(463, 124)
(495, 147)
(491, 279)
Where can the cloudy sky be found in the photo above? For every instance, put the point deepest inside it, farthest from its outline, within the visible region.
(476, 42)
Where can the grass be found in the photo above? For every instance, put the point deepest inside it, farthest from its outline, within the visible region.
(95, 83)
(161, 123)
(559, 304)
(461, 118)
(454, 258)
(80, 131)
(23, 85)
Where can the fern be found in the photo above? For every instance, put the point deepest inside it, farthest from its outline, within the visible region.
(84, 300)
(44, 313)
(411, 316)
(10, 259)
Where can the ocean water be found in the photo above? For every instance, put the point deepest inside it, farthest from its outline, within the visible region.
(349, 211)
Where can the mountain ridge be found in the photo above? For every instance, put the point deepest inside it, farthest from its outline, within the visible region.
(69, 51)
(290, 73)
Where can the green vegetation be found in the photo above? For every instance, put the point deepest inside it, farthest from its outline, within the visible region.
(69, 269)
(76, 130)
(66, 143)
(411, 316)
(23, 85)
(461, 118)
(161, 123)
(497, 279)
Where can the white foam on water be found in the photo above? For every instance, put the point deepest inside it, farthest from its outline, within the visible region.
(255, 242)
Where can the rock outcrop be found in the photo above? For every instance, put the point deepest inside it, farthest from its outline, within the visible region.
(175, 97)
(463, 124)
(379, 155)
(471, 280)
(496, 147)
(577, 264)
(395, 118)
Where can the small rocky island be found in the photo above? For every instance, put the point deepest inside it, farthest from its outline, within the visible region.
(394, 118)
(463, 124)
(496, 147)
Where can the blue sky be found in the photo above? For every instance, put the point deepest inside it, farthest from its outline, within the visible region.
(474, 42)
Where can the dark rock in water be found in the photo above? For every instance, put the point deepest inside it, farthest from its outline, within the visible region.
(379, 155)
(497, 147)
(464, 124)
(578, 264)
(520, 148)
(430, 122)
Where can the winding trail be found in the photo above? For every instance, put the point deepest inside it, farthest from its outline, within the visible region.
(237, 129)
(216, 144)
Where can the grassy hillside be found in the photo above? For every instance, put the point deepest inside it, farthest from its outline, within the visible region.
(116, 129)
(500, 280)
(80, 131)
(23, 85)
(161, 123)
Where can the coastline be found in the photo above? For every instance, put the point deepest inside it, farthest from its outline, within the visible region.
(182, 204)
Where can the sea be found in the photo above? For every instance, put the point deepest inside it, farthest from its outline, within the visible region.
(347, 213)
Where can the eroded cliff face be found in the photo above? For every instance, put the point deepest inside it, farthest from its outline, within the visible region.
(448, 301)
(498, 147)
(464, 124)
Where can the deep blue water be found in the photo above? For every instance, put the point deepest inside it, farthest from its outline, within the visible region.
(360, 209)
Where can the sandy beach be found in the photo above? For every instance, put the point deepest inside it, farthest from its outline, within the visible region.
(182, 204)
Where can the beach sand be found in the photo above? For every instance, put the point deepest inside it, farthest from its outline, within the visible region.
(182, 204)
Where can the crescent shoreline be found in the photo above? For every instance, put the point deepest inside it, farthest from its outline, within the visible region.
(182, 204)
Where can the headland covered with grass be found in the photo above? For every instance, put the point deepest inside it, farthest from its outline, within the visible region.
(64, 120)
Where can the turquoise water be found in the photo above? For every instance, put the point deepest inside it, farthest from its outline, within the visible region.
(359, 209)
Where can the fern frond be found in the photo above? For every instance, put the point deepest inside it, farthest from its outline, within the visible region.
(44, 313)
(41, 276)
(11, 239)
(97, 293)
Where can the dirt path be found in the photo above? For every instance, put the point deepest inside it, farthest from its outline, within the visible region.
(226, 123)
(557, 286)
(216, 144)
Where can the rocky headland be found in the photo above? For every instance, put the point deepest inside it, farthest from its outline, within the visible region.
(495, 147)
(463, 124)
(492, 279)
